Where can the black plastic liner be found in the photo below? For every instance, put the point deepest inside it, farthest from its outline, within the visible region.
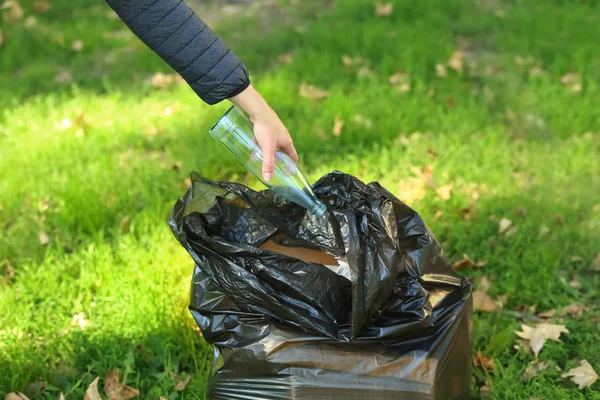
(391, 321)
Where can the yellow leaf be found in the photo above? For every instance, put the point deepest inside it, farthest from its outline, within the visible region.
(347, 60)
(44, 238)
(116, 390)
(338, 124)
(180, 386)
(12, 10)
(533, 370)
(584, 375)
(312, 92)
(364, 71)
(441, 71)
(384, 9)
(92, 391)
(456, 61)
(77, 45)
(538, 335)
(569, 78)
(30, 22)
(444, 191)
(80, 321)
(547, 314)
(16, 396)
(397, 78)
(504, 225)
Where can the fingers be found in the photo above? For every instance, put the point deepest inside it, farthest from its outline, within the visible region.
(268, 166)
(290, 150)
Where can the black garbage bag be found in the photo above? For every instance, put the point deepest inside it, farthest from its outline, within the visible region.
(392, 320)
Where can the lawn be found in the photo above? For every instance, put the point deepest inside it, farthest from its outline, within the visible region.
(473, 113)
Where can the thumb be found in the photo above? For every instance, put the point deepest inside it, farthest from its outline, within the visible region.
(268, 167)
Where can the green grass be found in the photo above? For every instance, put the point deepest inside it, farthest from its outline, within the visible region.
(102, 188)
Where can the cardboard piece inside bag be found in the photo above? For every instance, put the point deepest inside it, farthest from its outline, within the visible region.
(301, 253)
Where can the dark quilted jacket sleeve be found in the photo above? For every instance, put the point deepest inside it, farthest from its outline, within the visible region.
(178, 36)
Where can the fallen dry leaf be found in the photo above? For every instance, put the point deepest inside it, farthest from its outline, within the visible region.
(544, 230)
(312, 92)
(524, 345)
(533, 370)
(79, 320)
(42, 6)
(44, 238)
(456, 61)
(438, 214)
(181, 384)
(338, 124)
(569, 78)
(575, 259)
(92, 391)
(362, 121)
(364, 71)
(575, 283)
(483, 302)
(444, 191)
(484, 391)
(484, 362)
(347, 60)
(1, 38)
(397, 78)
(63, 76)
(384, 9)
(584, 375)
(441, 71)
(115, 390)
(12, 10)
(30, 22)
(405, 87)
(574, 310)
(285, 58)
(432, 153)
(467, 262)
(77, 45)
(539, 334)
(547, 314)
(124, 224)
(162, 81)
(503, 225)
(597, 263)
(16, 396)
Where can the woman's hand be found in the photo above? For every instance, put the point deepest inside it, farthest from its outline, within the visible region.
(269, 131)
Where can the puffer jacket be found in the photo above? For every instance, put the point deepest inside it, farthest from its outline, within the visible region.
(172, 30)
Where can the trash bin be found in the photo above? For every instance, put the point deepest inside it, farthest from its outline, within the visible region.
(361, 303)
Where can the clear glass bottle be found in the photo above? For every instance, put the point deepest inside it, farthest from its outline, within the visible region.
(235, 131)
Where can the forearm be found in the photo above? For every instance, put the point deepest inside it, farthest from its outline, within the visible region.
(180, 38)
